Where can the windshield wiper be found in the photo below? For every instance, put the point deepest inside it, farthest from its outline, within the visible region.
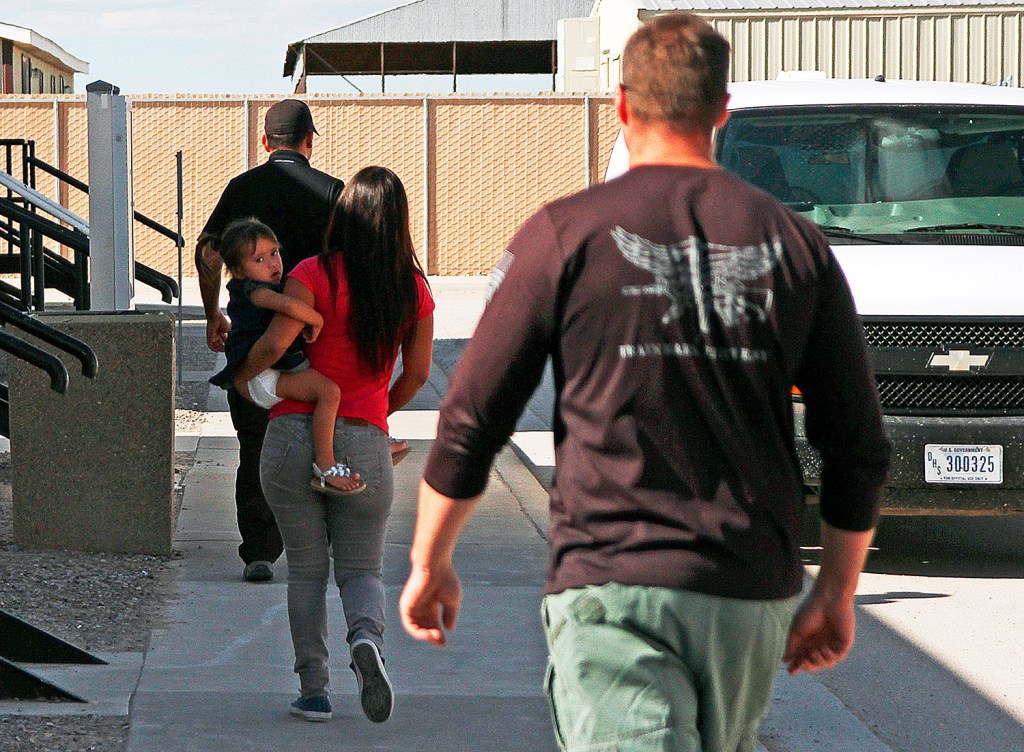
(846, 232)
(1008, 229)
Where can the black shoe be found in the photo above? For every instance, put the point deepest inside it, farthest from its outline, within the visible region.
(258, 571)
(375, 693)
(312, 708)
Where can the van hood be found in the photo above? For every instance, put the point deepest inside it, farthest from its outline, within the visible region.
(934, 280)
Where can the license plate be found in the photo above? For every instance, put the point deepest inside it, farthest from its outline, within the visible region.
(963, 463)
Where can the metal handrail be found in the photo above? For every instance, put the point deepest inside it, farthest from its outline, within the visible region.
(84, 188)
(8, 291)
(67, 343)
(71, 238)
(37, 357)
(27, 148)
(167, 286)
(45, 203)
(19, 207)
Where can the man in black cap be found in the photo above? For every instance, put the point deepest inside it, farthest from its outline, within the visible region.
(295, 201)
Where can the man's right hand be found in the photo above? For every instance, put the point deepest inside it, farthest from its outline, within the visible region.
(821, 635)
(822, 632)
(217, 328)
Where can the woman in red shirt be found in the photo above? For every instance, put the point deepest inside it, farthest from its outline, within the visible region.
(371, 291)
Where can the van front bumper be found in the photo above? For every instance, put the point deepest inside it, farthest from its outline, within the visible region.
(907, 492)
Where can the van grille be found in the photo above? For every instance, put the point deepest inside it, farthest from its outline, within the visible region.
(920, 334)
(978, 394)
(944, 393)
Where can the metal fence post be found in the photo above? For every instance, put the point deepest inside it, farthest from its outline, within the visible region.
(180, 243)
(428, 255)
(111, 230)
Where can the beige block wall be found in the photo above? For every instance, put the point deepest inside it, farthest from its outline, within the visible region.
(35, 116)
(211, 136)
(368, 132)
(604, 130)
(474, 168)
(496, 162)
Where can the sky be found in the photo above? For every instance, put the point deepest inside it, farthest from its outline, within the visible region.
(214, 46)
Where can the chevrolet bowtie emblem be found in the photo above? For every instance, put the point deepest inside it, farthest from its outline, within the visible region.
(959, 360)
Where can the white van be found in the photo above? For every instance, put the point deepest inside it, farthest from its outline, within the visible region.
(920, 189)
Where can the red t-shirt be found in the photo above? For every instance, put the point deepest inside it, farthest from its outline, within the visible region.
(363, 394)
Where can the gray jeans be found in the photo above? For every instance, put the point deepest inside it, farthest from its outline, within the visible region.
(316, 528)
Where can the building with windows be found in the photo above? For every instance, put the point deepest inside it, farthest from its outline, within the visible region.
(32, 64)
(970, 41)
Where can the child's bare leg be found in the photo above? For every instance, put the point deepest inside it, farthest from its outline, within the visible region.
(313, 386)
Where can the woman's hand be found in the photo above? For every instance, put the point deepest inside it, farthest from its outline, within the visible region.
(242, 387)
(311, 331)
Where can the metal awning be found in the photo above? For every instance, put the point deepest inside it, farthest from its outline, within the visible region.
(439, 37)
(405, 58)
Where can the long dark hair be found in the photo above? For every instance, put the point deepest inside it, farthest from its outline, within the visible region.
(369, 228)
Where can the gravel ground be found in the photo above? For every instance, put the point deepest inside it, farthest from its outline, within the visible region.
(99, 602)
(22, 733)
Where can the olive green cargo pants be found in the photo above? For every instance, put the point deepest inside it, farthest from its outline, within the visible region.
(639, 669)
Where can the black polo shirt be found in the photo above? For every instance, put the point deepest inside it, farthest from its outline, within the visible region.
(285, 193)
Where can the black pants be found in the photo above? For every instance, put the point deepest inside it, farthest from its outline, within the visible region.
(261, 540)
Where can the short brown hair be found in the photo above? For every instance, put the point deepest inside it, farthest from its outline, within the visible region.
(291, 141)
(674, 70)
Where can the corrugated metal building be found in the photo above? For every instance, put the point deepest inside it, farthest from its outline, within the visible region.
(976, 41)
(439, 36)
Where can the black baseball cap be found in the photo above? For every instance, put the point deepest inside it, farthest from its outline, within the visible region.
(289, 117)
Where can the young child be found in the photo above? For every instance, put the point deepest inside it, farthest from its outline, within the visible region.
(251, 255)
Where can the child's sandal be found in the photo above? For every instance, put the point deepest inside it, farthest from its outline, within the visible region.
(397, 455)
(340, 470)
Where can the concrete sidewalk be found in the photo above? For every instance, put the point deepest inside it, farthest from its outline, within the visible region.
(219, 675)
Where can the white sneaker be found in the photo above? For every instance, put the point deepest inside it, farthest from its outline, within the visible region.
(375, 692)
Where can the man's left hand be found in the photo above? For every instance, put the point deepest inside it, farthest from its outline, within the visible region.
(217, 329)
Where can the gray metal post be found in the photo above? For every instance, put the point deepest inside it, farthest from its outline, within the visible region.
(180, 243)
(111, 227)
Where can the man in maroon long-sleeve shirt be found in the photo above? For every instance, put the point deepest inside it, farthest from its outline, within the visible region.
(680, 306)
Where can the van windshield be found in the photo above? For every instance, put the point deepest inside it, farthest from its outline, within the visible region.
(880, 171)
